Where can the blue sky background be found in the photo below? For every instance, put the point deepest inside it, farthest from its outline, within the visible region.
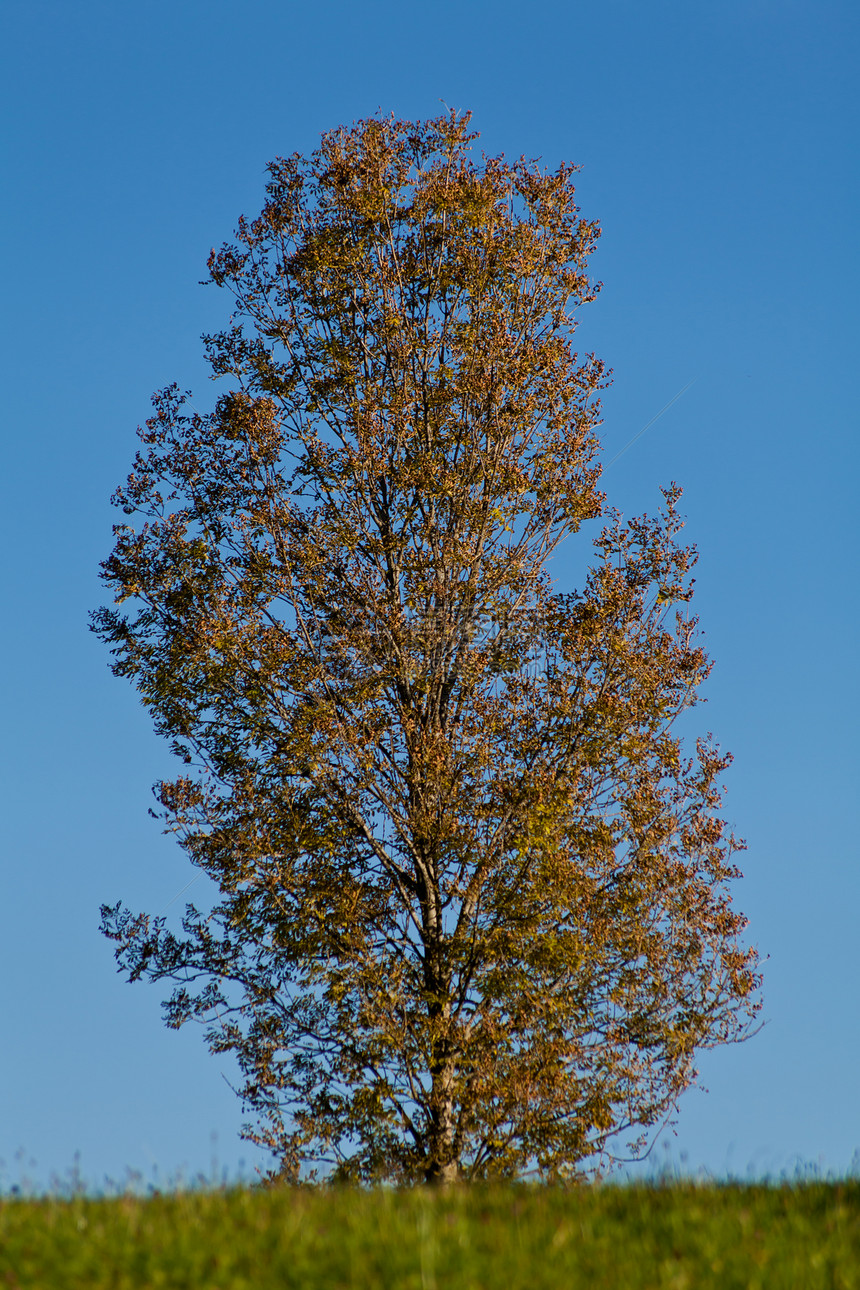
(719, 150)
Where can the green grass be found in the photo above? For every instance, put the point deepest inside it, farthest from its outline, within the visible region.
(675, 1235)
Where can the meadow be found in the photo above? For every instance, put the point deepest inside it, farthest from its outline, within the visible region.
(673, 1234)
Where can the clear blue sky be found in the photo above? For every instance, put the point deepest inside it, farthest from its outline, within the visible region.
(719, 150)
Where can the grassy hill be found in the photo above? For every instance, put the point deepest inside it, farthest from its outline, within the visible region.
(677, 1235)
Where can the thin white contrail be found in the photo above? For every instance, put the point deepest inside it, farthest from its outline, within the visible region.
(650, 423)
(180, 893)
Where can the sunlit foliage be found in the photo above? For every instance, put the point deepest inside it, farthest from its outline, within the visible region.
(473, 914)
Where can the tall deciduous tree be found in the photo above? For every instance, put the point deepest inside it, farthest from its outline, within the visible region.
(473, 914)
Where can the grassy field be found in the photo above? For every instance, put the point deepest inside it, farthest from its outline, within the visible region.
(678, 1235)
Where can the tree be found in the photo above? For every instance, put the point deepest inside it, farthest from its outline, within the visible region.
(474, 915)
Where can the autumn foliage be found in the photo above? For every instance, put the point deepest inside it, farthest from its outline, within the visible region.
(474, 915)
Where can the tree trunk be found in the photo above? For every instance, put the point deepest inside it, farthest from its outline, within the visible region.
(443, 1168)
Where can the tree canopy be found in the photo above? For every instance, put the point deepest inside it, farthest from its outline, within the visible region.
(474, 915)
